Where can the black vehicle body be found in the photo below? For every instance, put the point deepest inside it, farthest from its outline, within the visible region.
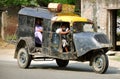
(83, 46)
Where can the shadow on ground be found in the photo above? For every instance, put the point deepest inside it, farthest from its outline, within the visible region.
(76, 67)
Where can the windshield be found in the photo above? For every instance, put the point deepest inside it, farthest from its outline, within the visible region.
(82, 27)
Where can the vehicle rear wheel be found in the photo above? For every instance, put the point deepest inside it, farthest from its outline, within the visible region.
(62, 63)
(23, 58)
(100, 63)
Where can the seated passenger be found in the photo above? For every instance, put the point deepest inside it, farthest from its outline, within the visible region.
(63, 31)
(38, 31)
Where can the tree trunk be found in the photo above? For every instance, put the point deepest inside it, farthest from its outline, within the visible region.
(3, 24)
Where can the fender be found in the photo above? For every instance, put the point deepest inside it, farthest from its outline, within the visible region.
(24, 42)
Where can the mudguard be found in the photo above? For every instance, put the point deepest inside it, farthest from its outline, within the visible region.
(24, 42)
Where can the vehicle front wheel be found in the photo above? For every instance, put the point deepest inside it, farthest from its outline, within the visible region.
(62, 63)
(100, 63)
(23, 58)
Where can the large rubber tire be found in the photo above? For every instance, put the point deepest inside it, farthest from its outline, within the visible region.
(23, 58)
(62, 63)
(100, 63)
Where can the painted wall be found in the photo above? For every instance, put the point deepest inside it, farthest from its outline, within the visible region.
(10, 21)
(98, 11)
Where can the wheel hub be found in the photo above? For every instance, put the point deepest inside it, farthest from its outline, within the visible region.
(99, 63)
(22, 57)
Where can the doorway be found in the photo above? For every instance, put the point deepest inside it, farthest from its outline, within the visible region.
(114, 29)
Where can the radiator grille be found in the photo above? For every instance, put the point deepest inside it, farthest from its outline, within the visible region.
(101, 38)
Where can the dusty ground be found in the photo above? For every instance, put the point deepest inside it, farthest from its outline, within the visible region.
(5, 45)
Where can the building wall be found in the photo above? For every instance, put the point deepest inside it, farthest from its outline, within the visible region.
(10, 21)
(99, 12)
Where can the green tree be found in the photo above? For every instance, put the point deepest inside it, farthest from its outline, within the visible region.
(65, 1)
(7, 3)
(45, 2)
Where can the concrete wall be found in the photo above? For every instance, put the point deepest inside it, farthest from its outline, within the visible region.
(99, 12)
(10, 21)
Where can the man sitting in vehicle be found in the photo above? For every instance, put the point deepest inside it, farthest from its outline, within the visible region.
(63, 31)
(38, 31)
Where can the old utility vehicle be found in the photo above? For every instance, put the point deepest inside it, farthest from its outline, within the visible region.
(83, 43)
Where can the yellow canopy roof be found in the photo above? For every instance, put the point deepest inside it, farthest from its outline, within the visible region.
(70, 18)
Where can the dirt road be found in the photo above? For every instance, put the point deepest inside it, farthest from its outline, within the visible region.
(8, 55)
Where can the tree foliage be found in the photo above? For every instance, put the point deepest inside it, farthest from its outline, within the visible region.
(7, 3)
(45, 2)
(65, 1)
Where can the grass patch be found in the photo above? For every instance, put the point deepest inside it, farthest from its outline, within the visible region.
(10, 37)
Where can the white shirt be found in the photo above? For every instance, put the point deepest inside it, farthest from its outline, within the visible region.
(37, 33)
(60, 30)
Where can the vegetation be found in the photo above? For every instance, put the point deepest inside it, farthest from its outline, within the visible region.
(45, 2)
(65, 1)
(6, 3)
